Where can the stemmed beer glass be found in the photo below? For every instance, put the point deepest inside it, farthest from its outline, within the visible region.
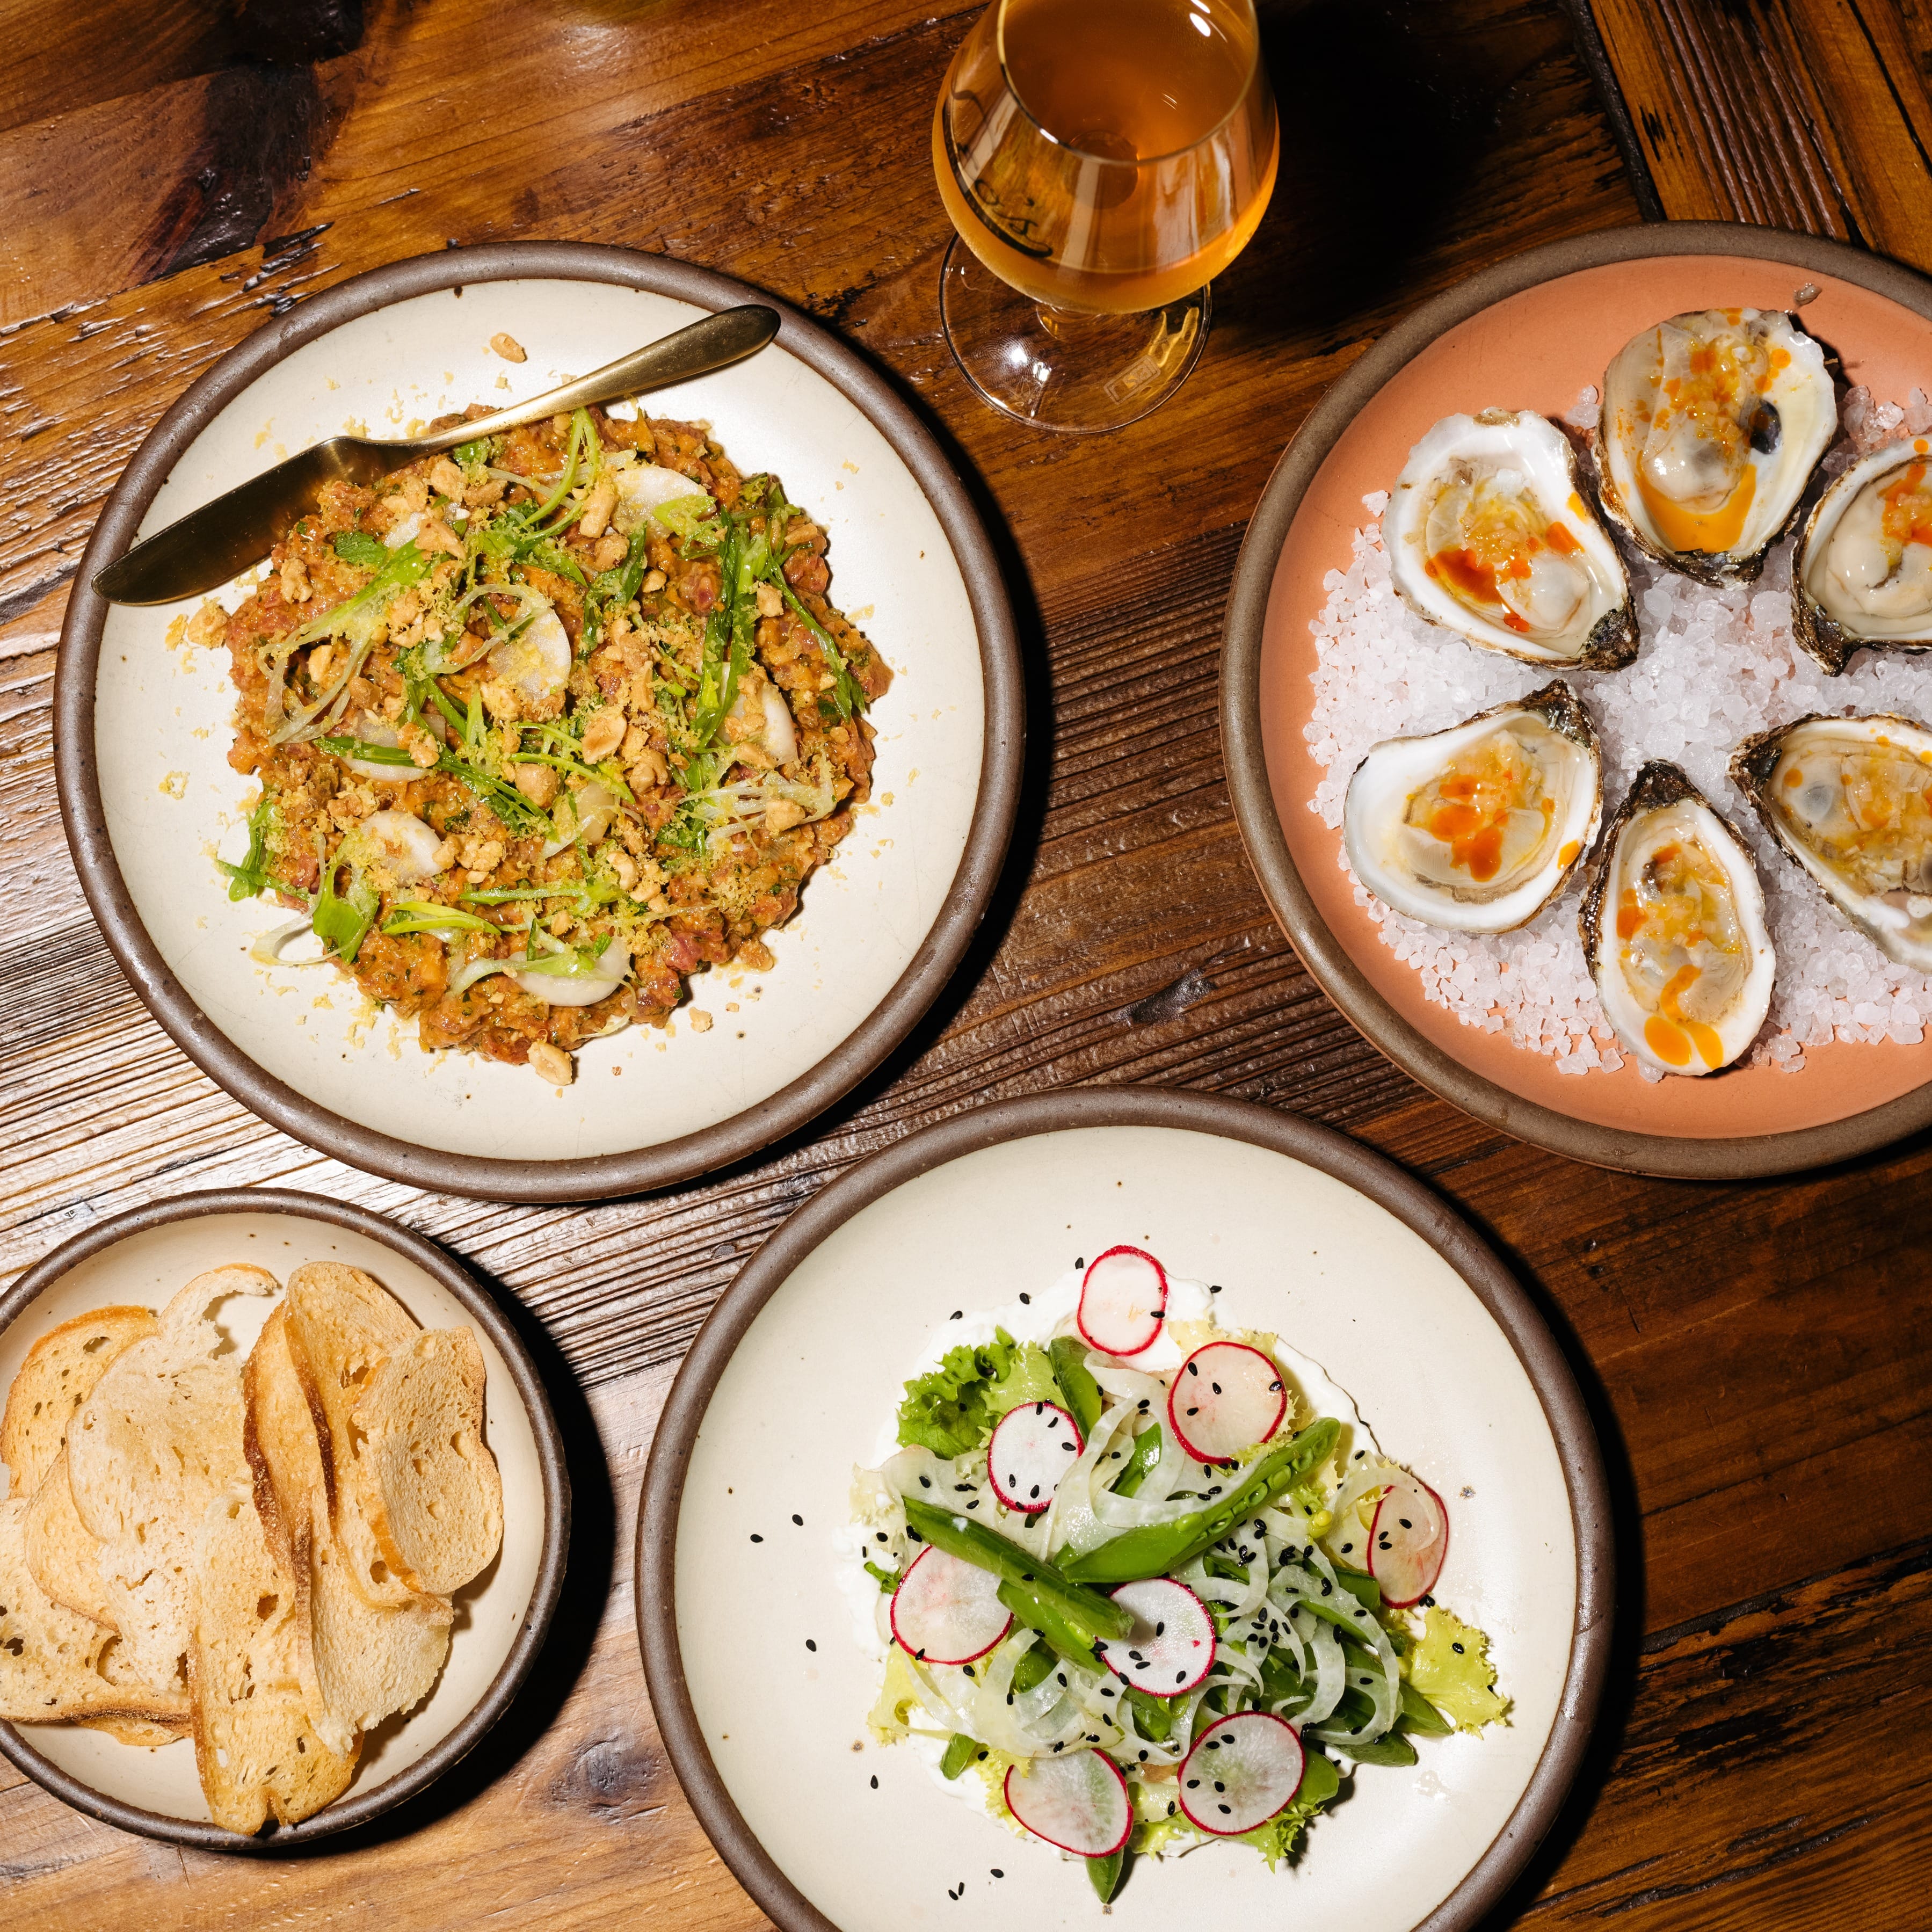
(1103, 161)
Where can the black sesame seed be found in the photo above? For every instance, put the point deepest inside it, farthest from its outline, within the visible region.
(1080, 1260)
(879, 1535)
(1215, 1387)
(799, 1520)
(1457, 1648)
(1026, 1301)
(1228, 1809)
(997, 1873)
(1194, 1784)
(957, 1312)
(809, 1644)
(875, 1784)
(1170, 1807)
(925, 1482)
(1404, 1522)
(969, 1673)
(1194, 1369)
(757, 1538)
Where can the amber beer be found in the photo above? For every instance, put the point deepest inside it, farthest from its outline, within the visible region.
(1110, 157)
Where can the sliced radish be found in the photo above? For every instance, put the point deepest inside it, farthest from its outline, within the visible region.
(945, 1611)
(1123, 1301)
(1407, 1541)
(1033, 1448)
(1078, 1802)
(1241, 1771)
(1226, 1397)
(1172, 1647)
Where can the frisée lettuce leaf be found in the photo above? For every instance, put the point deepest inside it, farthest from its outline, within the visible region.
(952, 1409)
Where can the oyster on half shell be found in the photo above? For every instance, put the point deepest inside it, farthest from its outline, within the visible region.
(1861, 574)
(1478, 827)
(1712, 424)
(1850, 800)
(1487, 533)
(1674, 928)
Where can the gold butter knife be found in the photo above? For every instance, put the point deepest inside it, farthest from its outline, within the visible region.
(203, 550)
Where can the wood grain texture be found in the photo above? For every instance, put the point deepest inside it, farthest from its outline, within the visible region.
(1811, 115)
(1756, 1355)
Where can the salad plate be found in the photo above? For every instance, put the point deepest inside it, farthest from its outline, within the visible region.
(138, 1260)
(1844, 1066)
(763, 1660)
(151, 804)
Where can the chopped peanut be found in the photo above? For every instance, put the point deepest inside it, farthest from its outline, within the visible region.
(700, 1020)
(508, 347)
(654, 579)
(597, 508)
(782, 814)
(625, 867)
(435, 535)
(603, 734)
(648, 768)
(770, 604)
(423, 749)
(444, 857)
(321, 660)
(610, 550)
(538, 783)
(482, 496)
(634, 745)
(208, 624)
(550, 1062)
(501, 701)
(446, 479)
(295, 581)
(756, 956)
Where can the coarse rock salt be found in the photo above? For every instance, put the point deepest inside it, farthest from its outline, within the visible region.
(1716, 667)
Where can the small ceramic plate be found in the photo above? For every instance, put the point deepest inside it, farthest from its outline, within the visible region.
(1529, 333)
(148, 799)
(760, 1688)
(502, 1617)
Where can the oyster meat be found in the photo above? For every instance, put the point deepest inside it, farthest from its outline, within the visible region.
(1712, 424)
(1487, 531)
(1674, 929)
(1476, 828)
(1850, 799)
(1861, 574)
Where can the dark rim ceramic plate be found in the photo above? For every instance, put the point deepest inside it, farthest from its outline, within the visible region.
(1751, 1121)
(729, 1113)
(536, 1469)
(714, 1426)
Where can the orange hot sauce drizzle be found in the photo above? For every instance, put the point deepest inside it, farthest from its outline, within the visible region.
(1708, 397)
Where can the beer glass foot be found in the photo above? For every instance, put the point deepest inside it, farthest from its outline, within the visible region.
(1063, 369)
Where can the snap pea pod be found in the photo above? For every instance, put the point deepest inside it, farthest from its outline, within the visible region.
(1035, 1667)
(1420, 1715)
(1320, 1780)
(974, 1543)
(1069, 1357)
(1363, 1588)
(1066, 1639)
(1158, 1548)
(1393, 1749)
(1154, 1716)
(1105, 1873)
(1141, 1464)
(960, 1752)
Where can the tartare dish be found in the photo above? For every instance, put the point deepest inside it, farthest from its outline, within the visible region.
(1139, 1581)
(543, 726)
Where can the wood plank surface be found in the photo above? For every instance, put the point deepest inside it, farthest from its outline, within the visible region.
(1756, 1356)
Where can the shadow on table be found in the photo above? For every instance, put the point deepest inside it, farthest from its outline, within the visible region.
(573, 1627)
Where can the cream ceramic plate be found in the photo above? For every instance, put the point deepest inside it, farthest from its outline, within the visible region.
(501, 1618)
(758, 1684)
(149, 796)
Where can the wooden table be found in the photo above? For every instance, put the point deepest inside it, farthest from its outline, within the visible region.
(1756, 1356)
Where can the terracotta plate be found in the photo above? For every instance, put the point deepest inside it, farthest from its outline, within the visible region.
(502, 1617)
(1530, 333)
(143, 730)
(760, 1686)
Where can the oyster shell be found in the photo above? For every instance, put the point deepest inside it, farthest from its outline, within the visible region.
(1487, 531)
(1674, 929)
(1850, 799)
(1712, 424)
(1861, 574)
(1476, 828)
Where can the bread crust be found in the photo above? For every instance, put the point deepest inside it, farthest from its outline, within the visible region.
(57, 1374)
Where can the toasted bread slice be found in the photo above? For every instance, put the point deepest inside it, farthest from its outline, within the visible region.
(438, 1502)
(357, 1661)
(255, 1750)
(158, 1439)
(51, 1660)
(63, 1553)
(341, 1323)
(58, 1375)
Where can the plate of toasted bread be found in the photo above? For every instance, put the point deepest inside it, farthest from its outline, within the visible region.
(284, 1523)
